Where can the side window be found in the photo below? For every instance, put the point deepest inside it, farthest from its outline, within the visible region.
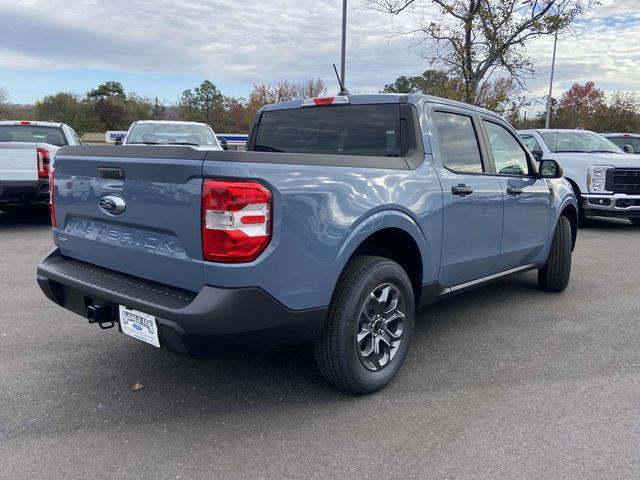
(531, 143)
(458, 142)
(76, 139)
(508, 155)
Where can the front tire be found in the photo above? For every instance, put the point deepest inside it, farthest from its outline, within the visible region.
(370, 325)
(554, 276)
(635, 221)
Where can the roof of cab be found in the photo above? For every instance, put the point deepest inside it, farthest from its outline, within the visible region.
(625, 135)
(170, 122)
(379, 98)
(29, 122)
(554, 130)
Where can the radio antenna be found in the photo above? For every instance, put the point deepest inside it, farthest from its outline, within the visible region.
(343, 90)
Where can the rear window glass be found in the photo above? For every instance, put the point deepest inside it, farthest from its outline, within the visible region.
(31, 133)
(622, 141)
(370, 130)
(171, 133)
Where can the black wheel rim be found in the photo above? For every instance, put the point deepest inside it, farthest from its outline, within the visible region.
(380, 327)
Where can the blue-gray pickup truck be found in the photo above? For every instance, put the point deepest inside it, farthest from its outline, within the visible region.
(345, 216)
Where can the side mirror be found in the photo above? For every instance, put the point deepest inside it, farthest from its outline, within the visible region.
(537, 155)
(627, 149)
(550, 169)
(119, 140)
(232, 148)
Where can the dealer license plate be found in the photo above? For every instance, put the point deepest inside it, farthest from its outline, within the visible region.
(139, 325)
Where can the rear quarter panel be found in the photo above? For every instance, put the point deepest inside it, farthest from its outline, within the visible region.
(321, 215)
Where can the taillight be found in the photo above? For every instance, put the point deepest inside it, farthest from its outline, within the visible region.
(52, 210)
(236, 220)
(44, 160)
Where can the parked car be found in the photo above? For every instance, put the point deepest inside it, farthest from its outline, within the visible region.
(629, 142)
(345, 216)
(169, 132)
(26, 151)
(604, 179)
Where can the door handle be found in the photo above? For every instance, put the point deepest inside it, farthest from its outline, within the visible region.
(514, 191)
(461, 189)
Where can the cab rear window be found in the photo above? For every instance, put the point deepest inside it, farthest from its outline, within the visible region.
(32, 133)
(368, 130)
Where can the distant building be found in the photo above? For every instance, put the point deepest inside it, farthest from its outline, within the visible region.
(237, 139)
(94, 138)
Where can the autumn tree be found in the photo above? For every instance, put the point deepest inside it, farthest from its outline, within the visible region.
(204, 103)
(476, 40)
(236, 120)
(158, 110)
(581, 105)
(107, 90)
(282, 92)
(496, 95)
(312, 89)
(431, 82)
(113, 109)
(4, 103)
(69, 108)
(622, 113)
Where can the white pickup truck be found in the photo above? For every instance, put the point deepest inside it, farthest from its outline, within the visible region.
(605, 180)
(26, 152)
(172, 132)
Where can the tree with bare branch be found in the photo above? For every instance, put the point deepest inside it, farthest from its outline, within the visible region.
(476, 40)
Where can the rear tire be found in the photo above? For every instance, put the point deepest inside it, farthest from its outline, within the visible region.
(370, 325)
(635, 221)
(554, 276)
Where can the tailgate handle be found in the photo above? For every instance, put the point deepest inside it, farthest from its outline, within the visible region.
(111, 173)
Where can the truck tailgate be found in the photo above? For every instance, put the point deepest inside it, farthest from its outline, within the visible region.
(156, 236)
(18, 162)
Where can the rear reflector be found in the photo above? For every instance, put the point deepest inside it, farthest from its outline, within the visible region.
(44, 160)
(339, 100)
(236, 220)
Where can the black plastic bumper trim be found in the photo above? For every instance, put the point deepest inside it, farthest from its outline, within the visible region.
(215, 321)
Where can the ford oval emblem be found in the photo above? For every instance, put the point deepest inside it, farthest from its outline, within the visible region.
(112, 205)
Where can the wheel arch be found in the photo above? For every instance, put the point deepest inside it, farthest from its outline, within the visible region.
(393, 235)
(571, 212)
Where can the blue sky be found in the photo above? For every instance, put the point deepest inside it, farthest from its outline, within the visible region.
(162, 47)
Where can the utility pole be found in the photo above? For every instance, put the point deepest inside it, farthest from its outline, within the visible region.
(553, 67)
(344, 42)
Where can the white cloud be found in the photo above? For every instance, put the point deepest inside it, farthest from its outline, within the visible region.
(257, 41)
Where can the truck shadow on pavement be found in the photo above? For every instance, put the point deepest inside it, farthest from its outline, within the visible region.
(609, 224)
(460, 341)
(25, 217)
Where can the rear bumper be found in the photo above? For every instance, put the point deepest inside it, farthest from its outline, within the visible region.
(18, 192)
(212, 322)
(614, 205)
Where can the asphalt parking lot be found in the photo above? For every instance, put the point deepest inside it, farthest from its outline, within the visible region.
(504, 382)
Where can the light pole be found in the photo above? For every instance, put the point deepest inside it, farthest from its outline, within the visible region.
(344, 42)
(553, 67)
